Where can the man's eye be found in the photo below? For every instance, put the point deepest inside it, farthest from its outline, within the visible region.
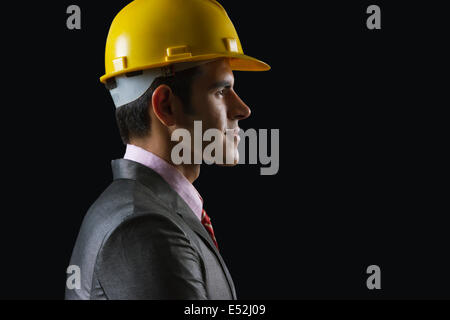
(223, 91)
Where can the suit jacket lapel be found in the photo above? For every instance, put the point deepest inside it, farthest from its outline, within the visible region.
(195, 224)
(128, 169)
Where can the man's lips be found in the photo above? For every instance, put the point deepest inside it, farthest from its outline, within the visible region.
(233, 131)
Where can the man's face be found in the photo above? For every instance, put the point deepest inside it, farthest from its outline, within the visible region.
(217, 106)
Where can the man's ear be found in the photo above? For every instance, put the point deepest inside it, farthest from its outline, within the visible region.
(162, 104)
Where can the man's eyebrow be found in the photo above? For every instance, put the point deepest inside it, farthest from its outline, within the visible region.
(220, 84)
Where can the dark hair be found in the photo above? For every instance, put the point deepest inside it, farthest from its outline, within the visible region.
(133, 119)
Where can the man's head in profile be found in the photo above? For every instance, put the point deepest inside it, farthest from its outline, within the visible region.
(204, 94)
(183, 73)
(169, 69)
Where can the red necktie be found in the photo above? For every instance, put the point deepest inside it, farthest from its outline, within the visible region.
(208, 226)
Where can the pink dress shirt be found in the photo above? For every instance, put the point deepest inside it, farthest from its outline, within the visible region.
(170, 174)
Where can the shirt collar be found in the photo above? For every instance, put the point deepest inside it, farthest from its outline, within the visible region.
(170, 174)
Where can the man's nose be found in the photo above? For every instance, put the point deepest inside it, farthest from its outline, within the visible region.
(237, 109)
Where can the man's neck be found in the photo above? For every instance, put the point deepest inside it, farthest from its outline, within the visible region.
(190, 171)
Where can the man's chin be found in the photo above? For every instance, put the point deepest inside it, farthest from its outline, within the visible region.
(229, 158)
(232, 163)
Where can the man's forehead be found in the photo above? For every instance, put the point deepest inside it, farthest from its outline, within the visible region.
(219, 70)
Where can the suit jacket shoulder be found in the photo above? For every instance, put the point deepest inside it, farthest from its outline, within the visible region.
(140, 240)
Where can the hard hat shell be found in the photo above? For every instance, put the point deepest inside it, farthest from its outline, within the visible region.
(155, 33)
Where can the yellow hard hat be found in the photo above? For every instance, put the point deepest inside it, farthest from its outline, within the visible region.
(155, 33)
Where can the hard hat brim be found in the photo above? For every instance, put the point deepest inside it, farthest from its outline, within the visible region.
(242, 62)
(238, 62)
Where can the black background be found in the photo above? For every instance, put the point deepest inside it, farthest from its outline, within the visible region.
(359, 182)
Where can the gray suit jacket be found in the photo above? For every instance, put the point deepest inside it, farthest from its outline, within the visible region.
(140, 240)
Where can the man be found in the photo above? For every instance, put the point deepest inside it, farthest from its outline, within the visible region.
(169, 63)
